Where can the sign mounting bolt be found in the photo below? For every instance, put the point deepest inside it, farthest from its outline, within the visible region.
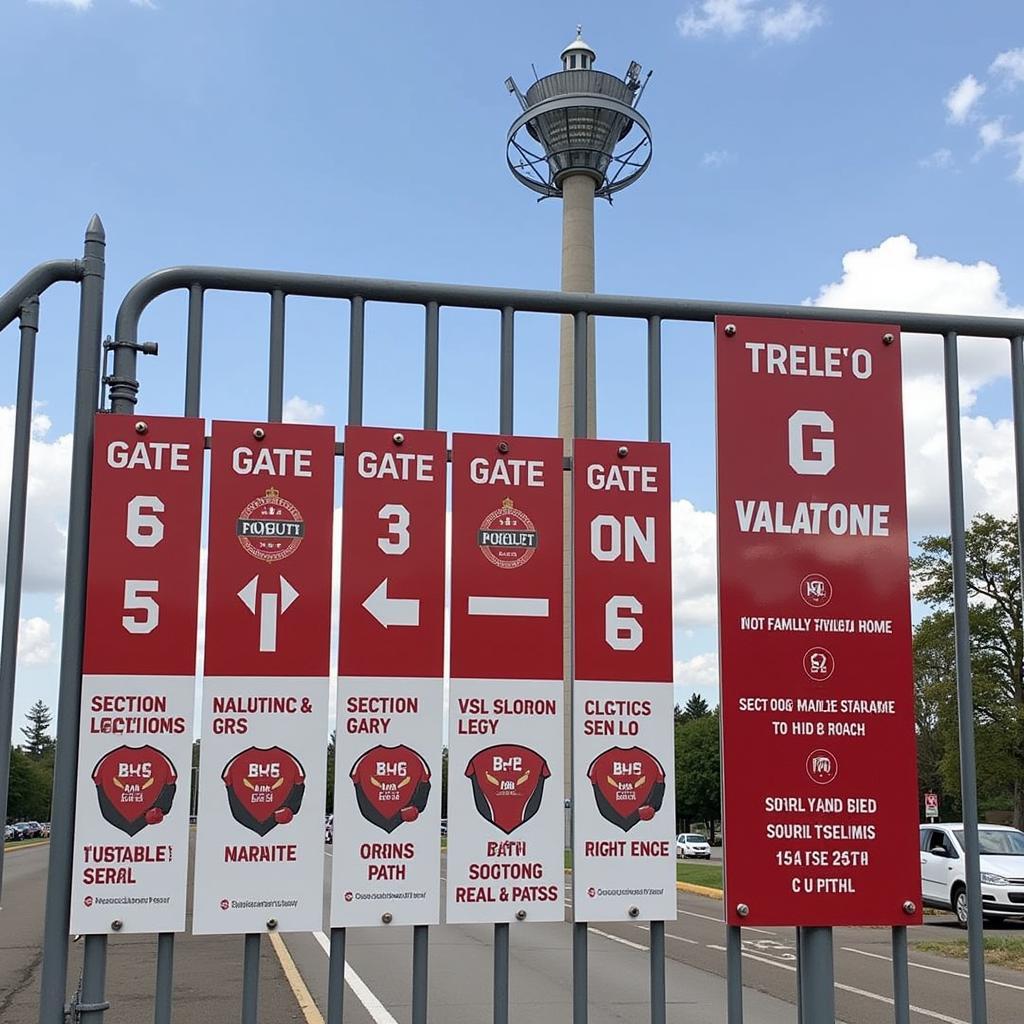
(271, 924)
(742, 909)
(386, 917)
(116, 925)
(909, 907)
(622, 452)
(259, 433)
(142, 427)
(633, 911)
(520, 915)
(398, 438)
(503, 447)
(888, 339)
(730, 330)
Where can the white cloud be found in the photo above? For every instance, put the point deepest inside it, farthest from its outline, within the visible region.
(962, 98)
(991, 132)
(694, 565)
(895, 276)
(35, 642)
(941, 159)
(78, 5)
(716, 157)
(48, 483)
(1009, 65)
(298, 410)
(699, 671)
(731, 17)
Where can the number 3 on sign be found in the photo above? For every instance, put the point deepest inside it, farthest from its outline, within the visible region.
(144, 530)
(397, 540)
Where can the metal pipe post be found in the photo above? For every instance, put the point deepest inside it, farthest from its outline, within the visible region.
(900, 976)
(579, 972)
(817, 977)
(430, 367)
(194, 350)
(251, 979)
(654, 378)
(53, 981)
(734, 975)
(506, 389)
(16, 546)
(799, 982)
(275, 375)
(336, 977)
(164, 978)
(420, 974)
(657, 972)
(501, 955)
(92, 1002)
(355, 361)
(965, 698)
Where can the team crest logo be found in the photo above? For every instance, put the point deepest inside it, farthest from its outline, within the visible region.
(135, 787)
(270, 528)
(629, 785)
(506, 537)
(265, 786)
(392, 785)
(508, 784)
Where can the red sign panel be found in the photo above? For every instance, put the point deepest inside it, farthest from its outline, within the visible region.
(146, 514)
(819, 764)
(269, 588)
(506, 557)
(392, 563)
(623, 551)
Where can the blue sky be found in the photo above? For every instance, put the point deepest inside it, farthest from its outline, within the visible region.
(859, 154)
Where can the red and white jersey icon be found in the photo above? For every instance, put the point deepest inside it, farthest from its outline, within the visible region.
(508, 784)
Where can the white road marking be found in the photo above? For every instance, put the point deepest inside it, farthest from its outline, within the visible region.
(374, 1007)
(525, 607)
(718, 920)
(669, 935)
(624, 942)
(929, 967)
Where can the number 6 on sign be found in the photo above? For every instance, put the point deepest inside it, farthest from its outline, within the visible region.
(397, 541)
(616, 623)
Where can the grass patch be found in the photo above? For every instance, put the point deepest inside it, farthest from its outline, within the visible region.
(1005, 952)
(24, 844)
(700, 874)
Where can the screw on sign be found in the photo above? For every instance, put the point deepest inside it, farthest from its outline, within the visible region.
(815, 626)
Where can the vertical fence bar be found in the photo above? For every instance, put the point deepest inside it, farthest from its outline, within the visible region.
(164, 978)
(657, 972)
(430, 367)
(336, 977)
(654, 378)
(420, 972)
(356, 327)
(53, 981)
(94, 980)
(251, 979)
(16, 546)
(194, 350)
(506, 390)
(965, 699)
(734, 975)
(900, 976)
(817, 976)
(275, 375)
(501, 954)
(799, 982)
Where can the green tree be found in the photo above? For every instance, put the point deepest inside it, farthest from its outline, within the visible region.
(28, 795)
(696, 707)
(330, 772)
(38, 743)
(698, 771)
(997, 660)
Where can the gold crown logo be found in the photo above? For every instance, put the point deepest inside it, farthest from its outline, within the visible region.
(507, 503)
(273, 492)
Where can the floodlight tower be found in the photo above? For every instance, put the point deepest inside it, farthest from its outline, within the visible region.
(594, 143)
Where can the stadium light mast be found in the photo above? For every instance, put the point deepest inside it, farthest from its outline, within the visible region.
(593, 143)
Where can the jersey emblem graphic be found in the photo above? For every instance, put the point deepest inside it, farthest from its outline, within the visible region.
(135, 787)
(265, 786)
(269, 527)
(507, 538)
(392, 785)
(629, 785)
(508, 784)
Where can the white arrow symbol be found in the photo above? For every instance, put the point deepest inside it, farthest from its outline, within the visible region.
(526, 607)
(392, 611)
(269, 611)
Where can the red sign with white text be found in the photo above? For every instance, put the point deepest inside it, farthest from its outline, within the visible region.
(506, 745)
(138, 684)
(624, 863)
(387, 860)
(259, 845)
(819, 763)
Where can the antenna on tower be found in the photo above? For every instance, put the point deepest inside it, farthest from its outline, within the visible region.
(536, 77)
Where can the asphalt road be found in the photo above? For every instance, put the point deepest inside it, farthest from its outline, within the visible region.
(208, 971)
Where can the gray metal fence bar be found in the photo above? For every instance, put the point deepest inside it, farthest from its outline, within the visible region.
(799, 990)
(164, 978)
(420, 975)
(194, 351)
(965, 698)
(734, 975)
(817, 976)
(654, 378)
(506, 389)
(356, 327)
(53, 983)
(501, 955)
(336, 977)
(251, 979)
(15, 560)
(657, 972)
(430, 367)
(900, 977)
(92, 1001)
(35, 282)
(275, 375)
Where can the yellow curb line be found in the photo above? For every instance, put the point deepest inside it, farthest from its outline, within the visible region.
(291, 972)
(24, 845)
(699, 890)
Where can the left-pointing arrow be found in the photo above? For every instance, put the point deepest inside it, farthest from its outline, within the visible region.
(392, 611)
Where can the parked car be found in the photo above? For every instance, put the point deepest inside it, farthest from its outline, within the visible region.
(10, 833)
(24, 830)
(46, 829)
(444, 827)
(329, 829)
(943, 871)
(691, 844)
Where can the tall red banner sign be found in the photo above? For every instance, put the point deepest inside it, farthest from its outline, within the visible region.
(387, 802)
(505, 744)
(624, 860)
(259, 846)
(138, 684)
(819, 763)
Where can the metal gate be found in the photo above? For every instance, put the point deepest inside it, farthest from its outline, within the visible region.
(815, 977)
